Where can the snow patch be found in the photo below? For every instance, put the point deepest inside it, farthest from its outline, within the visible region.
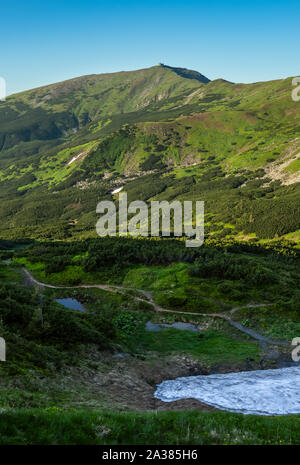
(116, 191)
(260, 392)
(74, 158)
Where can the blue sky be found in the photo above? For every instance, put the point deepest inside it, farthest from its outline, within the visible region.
(48, 41)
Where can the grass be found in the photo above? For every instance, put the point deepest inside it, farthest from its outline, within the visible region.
(71, 275)
(294, 166)
(210, 347)
(270, 323)
(57, 427)
(173, 288)
(8, 274)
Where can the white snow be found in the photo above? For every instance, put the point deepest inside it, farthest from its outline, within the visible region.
(74, 158)
(117, 190)
(262, 392)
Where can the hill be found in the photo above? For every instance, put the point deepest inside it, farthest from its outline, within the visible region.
(160, 132)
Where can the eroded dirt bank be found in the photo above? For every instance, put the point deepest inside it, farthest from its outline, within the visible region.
(123, 382)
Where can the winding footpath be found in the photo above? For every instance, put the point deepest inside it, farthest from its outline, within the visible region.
(148, 298)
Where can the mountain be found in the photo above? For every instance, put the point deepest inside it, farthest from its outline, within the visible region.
(162, 132)
(187, 73)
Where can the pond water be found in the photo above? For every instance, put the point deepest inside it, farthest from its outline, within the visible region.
(72, 304)
(178, 325)
(261, 392)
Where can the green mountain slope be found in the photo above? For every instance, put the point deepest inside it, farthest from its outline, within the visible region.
(161, 132)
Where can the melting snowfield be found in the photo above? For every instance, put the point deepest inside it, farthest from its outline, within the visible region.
(262, 392)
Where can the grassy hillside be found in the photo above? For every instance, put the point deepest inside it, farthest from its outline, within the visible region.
(161, 132)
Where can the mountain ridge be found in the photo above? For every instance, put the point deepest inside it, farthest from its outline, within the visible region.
(116, 73)
(152, 127)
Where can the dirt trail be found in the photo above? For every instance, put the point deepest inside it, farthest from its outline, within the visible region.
(149, 299)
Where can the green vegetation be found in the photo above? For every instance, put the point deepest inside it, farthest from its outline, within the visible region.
(284, 327)
(161, 133)
(42, 335)
(211, 347)
(204, 279)
(53, 426)
(72, 371)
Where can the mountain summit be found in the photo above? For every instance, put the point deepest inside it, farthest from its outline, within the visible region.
(187, 73)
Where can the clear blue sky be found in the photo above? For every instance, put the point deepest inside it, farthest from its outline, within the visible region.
(243, 41)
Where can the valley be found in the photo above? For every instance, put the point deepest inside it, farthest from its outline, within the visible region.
(63, 362)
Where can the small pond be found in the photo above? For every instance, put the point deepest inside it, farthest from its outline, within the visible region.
(178, 325)
(72, 304)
